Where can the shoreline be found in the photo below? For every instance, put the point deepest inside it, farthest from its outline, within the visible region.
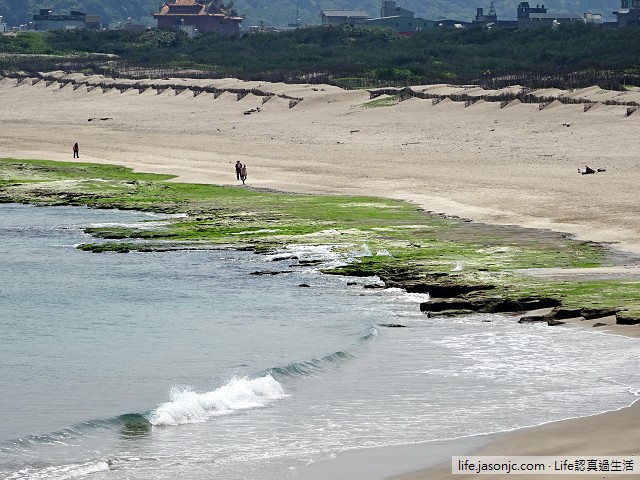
(609, 433)
(570, 437)
(513, 165)
(618, 435)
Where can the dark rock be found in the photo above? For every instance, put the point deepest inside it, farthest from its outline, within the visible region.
(374, 285)
(305, 285)
(309, 262)
(591, 313)
(270, 272)
(561, 313)
(534, 319)
(441, 305)
(284, 257)
(626, 318)
(552, 322)
(392, 325)
(444, 290)
(490, 304)
(351, 284)
(599, 324)
(450, 313)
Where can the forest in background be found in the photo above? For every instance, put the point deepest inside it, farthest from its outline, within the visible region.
(347, 56)
(279, 13)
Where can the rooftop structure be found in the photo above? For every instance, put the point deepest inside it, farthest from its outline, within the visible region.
(399, 19)
(341, 17)
(390, 9)
(530, 17)
(45, 21)
(491, 16)
(198, 15)
(629, 13)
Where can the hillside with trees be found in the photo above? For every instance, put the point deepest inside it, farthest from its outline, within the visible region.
(282, 12)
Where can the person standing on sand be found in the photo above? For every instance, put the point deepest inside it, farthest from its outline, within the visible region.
(238, 168)
(76, 150)
(243, 173)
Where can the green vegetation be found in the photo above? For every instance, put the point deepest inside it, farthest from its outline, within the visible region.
(353, 57)
(386, 101)
(409, 248)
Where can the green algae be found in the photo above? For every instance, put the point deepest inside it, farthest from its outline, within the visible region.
(408, 245)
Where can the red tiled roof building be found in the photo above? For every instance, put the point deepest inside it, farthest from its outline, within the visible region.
(206, 17)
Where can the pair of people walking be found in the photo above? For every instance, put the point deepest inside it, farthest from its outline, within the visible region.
(241, 171)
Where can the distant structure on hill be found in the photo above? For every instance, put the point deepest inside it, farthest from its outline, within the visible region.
(530, 17)
(490, 19)
(343, 17)
(3, 25)
(629, 13)
(132, 27)
(399, 19)
(45, 21)
(390, 9)
(198, 16)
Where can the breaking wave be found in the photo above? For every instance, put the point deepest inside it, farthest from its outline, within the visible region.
(188, 406)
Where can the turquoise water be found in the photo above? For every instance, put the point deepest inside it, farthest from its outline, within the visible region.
(187, 365)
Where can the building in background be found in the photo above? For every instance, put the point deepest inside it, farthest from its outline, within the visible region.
(132, 27)
(3, 25)
(594, 18)
(629, 13)
(197, 15)
(343, 17)
(45, 20)
(390, 9)
(531, 17)
(490, 19)
(399, 19)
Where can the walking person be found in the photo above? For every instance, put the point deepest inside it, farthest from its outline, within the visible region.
(76, 150)
(238, 168)
(243, 173)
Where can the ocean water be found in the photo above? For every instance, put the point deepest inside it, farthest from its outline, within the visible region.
(186, 365)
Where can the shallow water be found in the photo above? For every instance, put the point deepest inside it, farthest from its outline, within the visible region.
(184, 365)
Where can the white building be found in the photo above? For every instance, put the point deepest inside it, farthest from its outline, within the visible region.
(3, 25)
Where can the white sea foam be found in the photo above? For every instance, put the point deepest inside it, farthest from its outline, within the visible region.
(251, 232)
(146, 225)
(187, 406)
(62, 472)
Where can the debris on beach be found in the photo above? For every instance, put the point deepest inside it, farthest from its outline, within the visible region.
(588, 170)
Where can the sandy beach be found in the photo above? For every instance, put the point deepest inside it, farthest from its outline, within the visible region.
(512, 165)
